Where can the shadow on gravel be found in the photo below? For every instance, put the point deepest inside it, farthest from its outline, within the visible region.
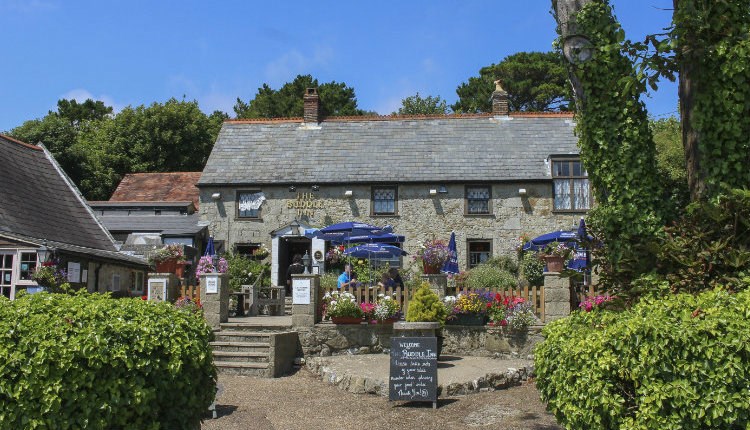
(427, 405)
(445, 365)
(444, 357)
(225, 410)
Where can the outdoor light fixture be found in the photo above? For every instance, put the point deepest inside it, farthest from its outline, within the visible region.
(294, 225)
(306, 260)
(215, 262)
(316, 188)
(292, 188)
(348, 193)
(216, 196)
(442, 189)
(433, 192)
(522, 191)
(43, 252)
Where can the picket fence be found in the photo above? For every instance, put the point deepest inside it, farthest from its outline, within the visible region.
(191, 291)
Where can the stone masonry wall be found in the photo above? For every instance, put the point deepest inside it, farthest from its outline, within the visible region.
(332, 339)
(420, 216)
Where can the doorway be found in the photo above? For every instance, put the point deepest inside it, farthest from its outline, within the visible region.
(288, 248)
(6, 275)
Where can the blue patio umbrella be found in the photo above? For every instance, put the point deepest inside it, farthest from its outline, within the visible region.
(341, 232)
(569, 238)
(375, 250)
(210, 247)
(376, 238)
(451, 266)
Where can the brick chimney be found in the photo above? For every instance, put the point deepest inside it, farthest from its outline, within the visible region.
(499, 100)
(311, 106)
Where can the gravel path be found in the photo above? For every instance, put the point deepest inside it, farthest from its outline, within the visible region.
(302, 401)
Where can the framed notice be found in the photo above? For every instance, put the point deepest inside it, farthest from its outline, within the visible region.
(212, 285)
(300, 291)
(84, 275)
(74, 272)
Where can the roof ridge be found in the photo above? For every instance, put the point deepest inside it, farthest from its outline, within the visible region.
(16, 141)
(402, 117)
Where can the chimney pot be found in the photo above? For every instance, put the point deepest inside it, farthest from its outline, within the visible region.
(311, 106)
(499, 100)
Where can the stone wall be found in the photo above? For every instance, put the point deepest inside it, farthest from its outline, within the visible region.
(420, 216)
(333, 339)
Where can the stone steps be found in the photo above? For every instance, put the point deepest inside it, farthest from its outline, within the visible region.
(254, 349)
(242, 336)
(255, 327)
(244, 369)
(240, 346)
(241, 356)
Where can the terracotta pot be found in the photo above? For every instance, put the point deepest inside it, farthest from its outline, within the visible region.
(166, 266)
(180, 269)
(346, 320)
(430, 270)
(554, 263)
(388, 321)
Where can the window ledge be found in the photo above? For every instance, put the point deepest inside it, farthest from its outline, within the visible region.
(385, 216)
(569, 211)
(237, 218)
(479, 215)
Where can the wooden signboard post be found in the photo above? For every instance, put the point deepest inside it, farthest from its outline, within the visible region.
(413, 372)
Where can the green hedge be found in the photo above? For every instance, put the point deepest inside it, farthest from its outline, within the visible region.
(677, 362)
(87, 361)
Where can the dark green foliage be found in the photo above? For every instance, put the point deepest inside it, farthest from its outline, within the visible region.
(87, 361)
(245, 271)
(504, 262)
(426, 306)
(336, 99)
(670, 162)
(710, 246)
(618, 151)
(679, 362)
(532, 269)
(418, 105)
(487, 276)
(535, 81)
(711, 43)
(79, 113)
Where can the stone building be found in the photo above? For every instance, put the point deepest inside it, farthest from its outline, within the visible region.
(44, 219)
(488, 177)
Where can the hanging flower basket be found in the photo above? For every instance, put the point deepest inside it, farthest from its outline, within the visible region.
(346, 320)
(554, 263)
(430, 269)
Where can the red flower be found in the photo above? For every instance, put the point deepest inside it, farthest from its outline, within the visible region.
(144, 297)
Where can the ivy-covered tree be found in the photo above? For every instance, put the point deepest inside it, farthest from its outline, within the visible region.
(418, 105)
(336, 99)
(616, 144)
(670, 164)
(535, 81)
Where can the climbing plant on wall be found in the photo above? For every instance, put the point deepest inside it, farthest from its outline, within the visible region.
(616, 144)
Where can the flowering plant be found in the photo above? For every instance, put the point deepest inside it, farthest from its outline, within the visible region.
(368, 310)
(594, 302)
(473, 303)
(342, 305)
(514, 312)
(50, 275)
(521, 241)
(186, 304)
(168, 252)
(261, 252)
(558, 249)
(386, 308)
(433, 252)
(335, 254)
(206, 265)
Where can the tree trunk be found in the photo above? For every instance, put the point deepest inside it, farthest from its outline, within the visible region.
(688, 58)
(565, 12)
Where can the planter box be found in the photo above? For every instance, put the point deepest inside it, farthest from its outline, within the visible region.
(346, 320)
(467, 319)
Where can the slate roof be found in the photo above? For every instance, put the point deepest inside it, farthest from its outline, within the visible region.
(454, 148)
(38, 202)
(160, 187)
(169, 225)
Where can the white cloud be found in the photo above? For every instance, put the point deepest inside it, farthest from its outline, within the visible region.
(81, 95)
(292, 63)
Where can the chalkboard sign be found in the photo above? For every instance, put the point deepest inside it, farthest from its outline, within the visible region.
(413, 374)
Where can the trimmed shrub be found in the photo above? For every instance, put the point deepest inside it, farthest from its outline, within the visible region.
(678, 362)
(504, 262)
(87, 361)
(426, 306)
(487, 277)
(532, 269)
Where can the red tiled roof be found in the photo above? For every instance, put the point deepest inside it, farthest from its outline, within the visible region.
(158, 187)
(401, 117)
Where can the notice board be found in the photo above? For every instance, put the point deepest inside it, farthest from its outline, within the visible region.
(413, 371)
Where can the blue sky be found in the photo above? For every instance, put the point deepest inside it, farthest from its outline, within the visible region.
(138, 52)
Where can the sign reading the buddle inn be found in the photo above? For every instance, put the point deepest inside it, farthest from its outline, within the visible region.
(305, 203)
